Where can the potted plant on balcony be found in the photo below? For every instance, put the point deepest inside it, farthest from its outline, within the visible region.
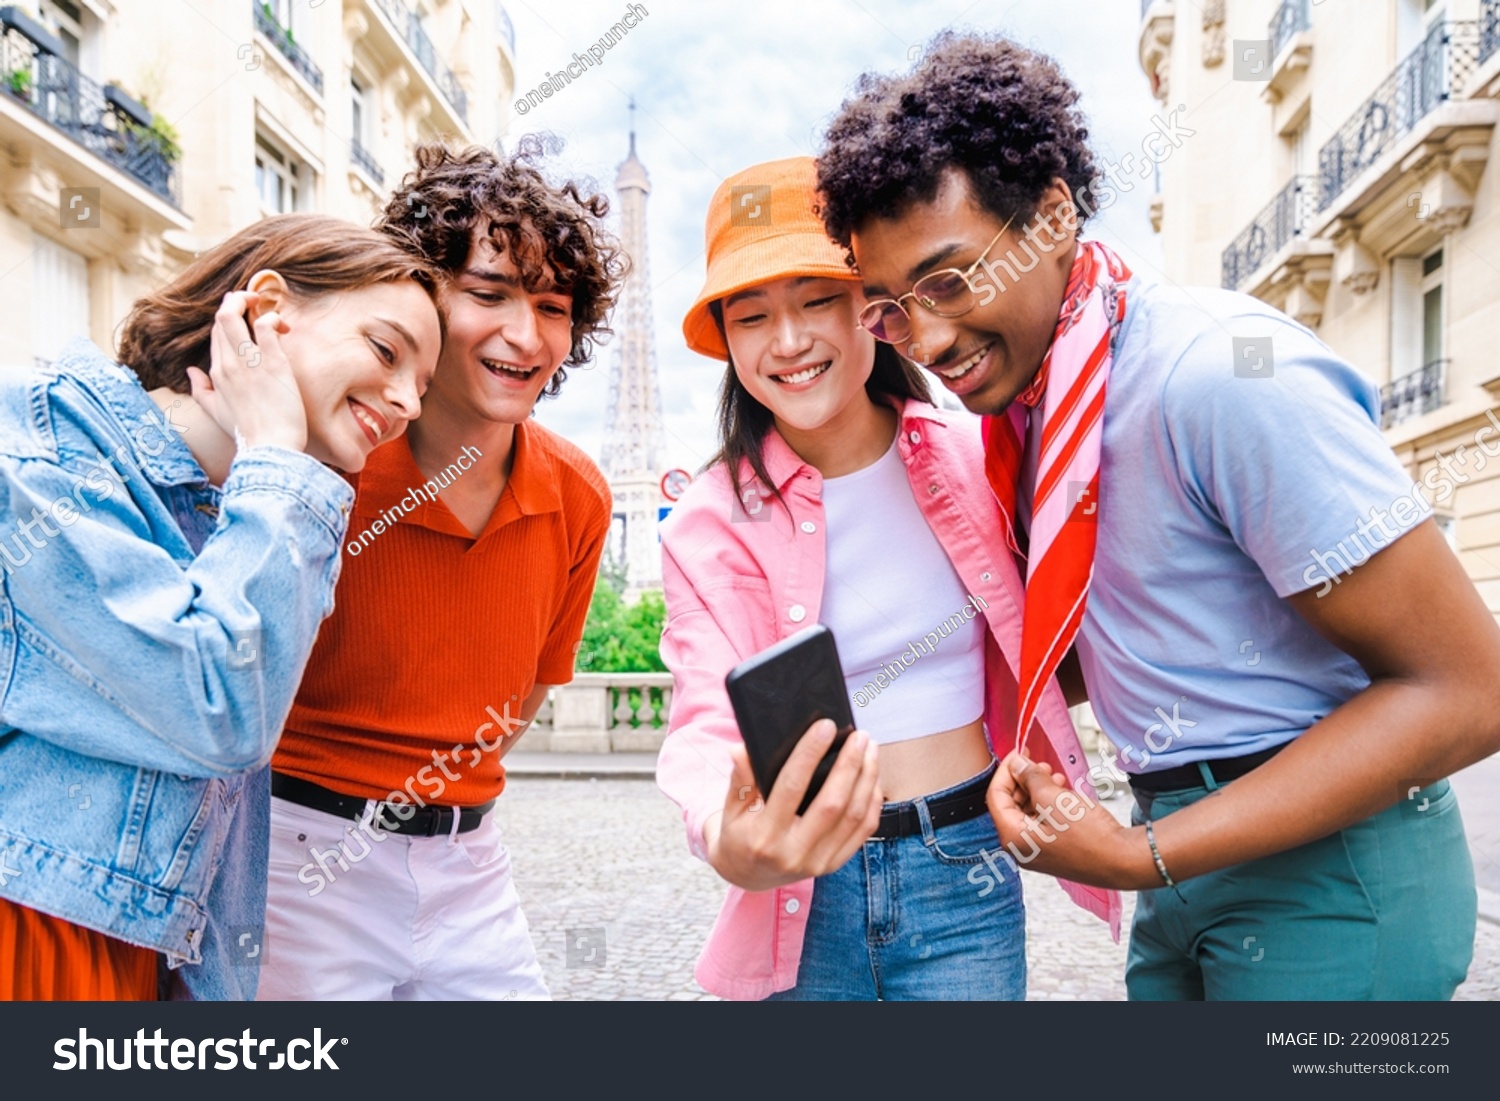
(159, 137)
(19, 83)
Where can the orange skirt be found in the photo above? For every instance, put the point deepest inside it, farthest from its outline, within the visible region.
(44, 958)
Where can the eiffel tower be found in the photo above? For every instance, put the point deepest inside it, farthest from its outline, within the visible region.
(634, 441)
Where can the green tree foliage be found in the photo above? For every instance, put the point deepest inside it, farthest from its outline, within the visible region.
(620, 637)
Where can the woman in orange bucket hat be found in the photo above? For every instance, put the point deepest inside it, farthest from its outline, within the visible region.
(841, 495)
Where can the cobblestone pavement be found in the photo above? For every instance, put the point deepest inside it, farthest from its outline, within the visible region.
(602, 866)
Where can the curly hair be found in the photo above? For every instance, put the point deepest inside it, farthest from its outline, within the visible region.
(1001, 113)
(553, 234)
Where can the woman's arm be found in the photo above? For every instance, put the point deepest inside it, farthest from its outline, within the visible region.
(752, 841)
(113, 648)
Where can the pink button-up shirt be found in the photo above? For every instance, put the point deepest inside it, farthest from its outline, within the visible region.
(740, 577)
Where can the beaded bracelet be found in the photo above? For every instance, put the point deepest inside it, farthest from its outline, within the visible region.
(1156, 856)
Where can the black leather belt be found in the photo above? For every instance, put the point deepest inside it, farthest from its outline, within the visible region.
(428, 821)
(1190, 776)
(959, 805)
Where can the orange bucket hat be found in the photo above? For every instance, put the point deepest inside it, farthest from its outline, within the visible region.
(761, 227)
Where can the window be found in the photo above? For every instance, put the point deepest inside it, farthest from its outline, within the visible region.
(66, 21)
(1418, 338)
(1432, 307)
(360, 111)
(277, 179)
(1303, 156)
(1414, 20)
(60, 303)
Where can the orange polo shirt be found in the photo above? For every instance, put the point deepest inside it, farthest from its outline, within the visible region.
(432, 629)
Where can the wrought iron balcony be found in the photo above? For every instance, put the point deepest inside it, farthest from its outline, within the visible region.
(281, 38)
(1293, 16)
(1282, 219)
(1489, 29)
(371, 167)
(103, 120)
(1411, 395)
(410, 27)
(1430, 75)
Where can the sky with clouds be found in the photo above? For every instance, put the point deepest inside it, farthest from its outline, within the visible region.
(722, 86)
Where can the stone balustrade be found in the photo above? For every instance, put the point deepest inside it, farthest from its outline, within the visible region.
(627, 713)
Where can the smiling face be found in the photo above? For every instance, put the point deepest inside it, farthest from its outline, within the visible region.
(362, 359)
(504, 342)
(988, 356)
(798, 349)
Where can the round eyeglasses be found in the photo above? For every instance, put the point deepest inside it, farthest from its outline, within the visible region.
(947, 293)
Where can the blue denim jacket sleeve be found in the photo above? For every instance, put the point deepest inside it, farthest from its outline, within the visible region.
(117, 641)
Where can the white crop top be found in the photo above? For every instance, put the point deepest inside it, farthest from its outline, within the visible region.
(910, 638)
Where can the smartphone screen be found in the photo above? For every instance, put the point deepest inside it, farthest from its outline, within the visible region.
(779, 693)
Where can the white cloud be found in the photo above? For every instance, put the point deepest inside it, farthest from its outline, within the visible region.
(721, 87)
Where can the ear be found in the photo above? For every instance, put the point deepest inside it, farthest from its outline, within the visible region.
(271, 288)
(1058, 213)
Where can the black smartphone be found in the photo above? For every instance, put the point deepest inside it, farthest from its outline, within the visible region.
(783, 690)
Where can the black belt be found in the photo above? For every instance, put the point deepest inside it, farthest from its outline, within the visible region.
(1191, 776)
(429, 821)
(959, 805)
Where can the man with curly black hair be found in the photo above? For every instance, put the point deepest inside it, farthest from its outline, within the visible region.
(472, 553)
(1216, 536)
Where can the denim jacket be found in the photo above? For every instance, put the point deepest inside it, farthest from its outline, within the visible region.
(153, 631)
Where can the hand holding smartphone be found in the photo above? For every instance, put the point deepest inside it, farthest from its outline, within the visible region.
(779, 693)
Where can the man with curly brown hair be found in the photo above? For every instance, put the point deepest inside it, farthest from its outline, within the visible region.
(471, 557)
(1180, 469)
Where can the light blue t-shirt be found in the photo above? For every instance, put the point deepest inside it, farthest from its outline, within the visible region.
(1220, 495)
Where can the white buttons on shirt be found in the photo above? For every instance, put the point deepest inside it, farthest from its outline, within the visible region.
(932, 488)
(792, 905)
(915, 437)
(796, 613)
(985, 576)
(809, 527)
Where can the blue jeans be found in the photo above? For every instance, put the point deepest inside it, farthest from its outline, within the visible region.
(931, 917)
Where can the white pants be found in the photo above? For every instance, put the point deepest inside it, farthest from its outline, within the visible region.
(401, 918)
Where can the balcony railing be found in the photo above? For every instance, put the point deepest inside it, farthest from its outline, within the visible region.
(1413, 394)
(1293, 16)
(1282, 219)
(98, 118)
(1489, 29)
(281, 38)
(371, 167)
(1430, 75)
(410, 27)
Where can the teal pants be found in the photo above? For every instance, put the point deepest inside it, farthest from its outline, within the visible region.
(1383, 910)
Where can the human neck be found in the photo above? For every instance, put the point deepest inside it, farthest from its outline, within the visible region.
(441, 432)
(211, 446)
(853, 438)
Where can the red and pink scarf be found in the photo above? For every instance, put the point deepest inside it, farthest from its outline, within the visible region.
(1065, 403)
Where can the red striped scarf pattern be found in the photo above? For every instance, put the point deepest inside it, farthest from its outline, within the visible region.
(1065, 402)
